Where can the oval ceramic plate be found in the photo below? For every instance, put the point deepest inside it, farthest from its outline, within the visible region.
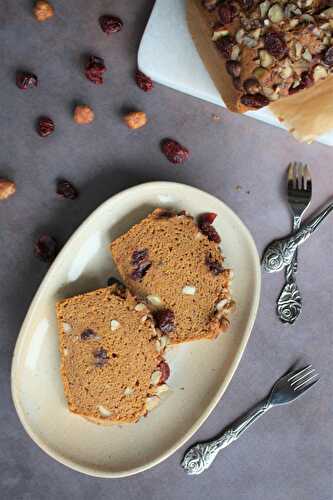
(85, 264)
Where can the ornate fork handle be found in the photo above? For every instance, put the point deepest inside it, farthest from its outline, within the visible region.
(280, 253)
(200, 456)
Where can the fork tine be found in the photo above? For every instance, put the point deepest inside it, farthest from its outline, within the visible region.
(303, 183)
(299, 176)
(298, 372)
(308, 184)
(306, 385)
(305, 382)
(305, 375)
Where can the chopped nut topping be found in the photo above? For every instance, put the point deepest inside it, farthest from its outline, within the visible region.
(114, 325)
(152, 402)
(103, 411)
(128, 391)
(154, 300)
(67, 327)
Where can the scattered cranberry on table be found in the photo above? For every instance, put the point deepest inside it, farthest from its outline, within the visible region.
(45, 126)
(46, 248)
(95, 69)
(143, 81)
(25, 80)
(110, 24)
(175, 152)
(66, 190)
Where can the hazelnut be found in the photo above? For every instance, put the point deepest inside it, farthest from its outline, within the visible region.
(7, 189)
(83, 115)
(43, 10)
(136, 119)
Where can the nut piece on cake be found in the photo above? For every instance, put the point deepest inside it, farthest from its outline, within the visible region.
(178, 267)
(111, 356)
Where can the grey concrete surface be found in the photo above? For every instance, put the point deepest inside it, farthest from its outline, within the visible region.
(289, 454)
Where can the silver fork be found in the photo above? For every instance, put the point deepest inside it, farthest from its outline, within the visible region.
(289, 303)
(288, 388)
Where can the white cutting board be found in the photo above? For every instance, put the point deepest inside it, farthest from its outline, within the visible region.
(168, 55)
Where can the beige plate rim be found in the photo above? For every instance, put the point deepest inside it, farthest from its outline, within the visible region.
(249, 326)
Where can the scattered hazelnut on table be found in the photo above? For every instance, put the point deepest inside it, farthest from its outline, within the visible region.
(43, 10)
(7, 189)
(136, 119)
(83, 115)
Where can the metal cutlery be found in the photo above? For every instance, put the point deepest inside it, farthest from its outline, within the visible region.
(289, 304)
(280, 252)
(289, 387)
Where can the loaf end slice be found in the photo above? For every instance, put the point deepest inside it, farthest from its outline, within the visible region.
(112, 363)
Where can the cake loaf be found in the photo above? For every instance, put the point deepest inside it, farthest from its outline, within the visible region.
(177, 268)
(111, 356)
(261, 51)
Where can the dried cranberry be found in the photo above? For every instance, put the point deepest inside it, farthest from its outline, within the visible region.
(275, 45)
(26, 80)
(328, 57)
(141, 270)
(165, 320)
(101, 356)
(46, 248)
(213, 265)
(139, 255)
(208, 217)
(66, 190)
(95, 69)
(225, 45)
(45, 126)
(175, 152)
(164, 368)
(143, 81)
(233, 68)
(306, 81)
(88, 334)
(225, 13)
(210, 5)
(110, 24)
(210, 231)
(255, 101)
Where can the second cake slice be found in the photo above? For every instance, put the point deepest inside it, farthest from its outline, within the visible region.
(168, 262)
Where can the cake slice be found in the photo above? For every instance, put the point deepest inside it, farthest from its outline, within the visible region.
(111, 356)
(176, 267)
